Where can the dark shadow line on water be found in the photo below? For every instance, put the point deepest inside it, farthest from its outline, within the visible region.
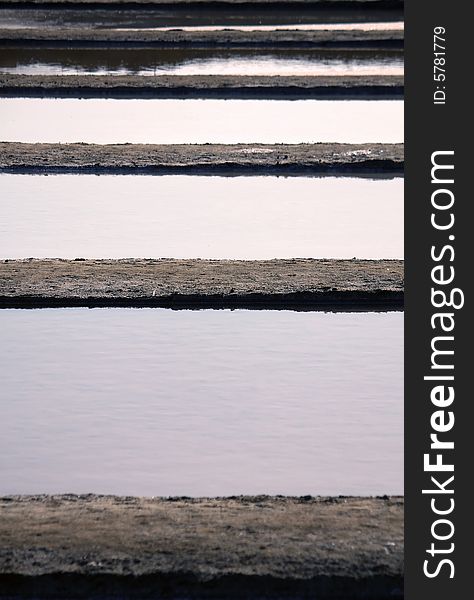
(381, 301)
(397, 44)
(323, 11)
(370, 92)
(244, 5)
(179, 585)
(375, 170)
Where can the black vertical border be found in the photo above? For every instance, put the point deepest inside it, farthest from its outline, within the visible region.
(430, 128)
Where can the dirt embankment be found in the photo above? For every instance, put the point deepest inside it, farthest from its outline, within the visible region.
(347, 3)
(103, 38)
(214, 159)
(235, 548)
(202, 86)
(294, 283)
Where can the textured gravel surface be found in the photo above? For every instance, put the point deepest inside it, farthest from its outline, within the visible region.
(242, 547)
(82, 36)
(356, 3)
(304, 283)
(201, 86)
(381, 159)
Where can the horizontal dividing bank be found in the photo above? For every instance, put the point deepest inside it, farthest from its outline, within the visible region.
(251, 159)
(164, 13)
(309, 284)
(196, 5)
(257, 547)
(335, 4)
(85, 37)
(202, 86)
(204, 15)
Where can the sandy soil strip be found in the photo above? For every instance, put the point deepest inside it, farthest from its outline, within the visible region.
(251, 159)
(356, 3)
(309, 284)
(202, 86)
(86, 37)
(242, 547)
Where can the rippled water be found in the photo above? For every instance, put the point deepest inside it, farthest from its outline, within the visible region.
(157, 402)
(180, 216)
(107, 121)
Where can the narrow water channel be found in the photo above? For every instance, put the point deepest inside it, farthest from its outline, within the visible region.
(68, 216)
(384, 26)
(199, 15)
(198, 61)
(201, 403)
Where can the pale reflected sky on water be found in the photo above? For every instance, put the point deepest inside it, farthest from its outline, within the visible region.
(201, 403)
(178, 216)
(383, 26)
(201, 61)
(239, 65)
(200, 121)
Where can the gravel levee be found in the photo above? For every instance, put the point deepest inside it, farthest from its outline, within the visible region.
(299, 283)
(86, 37)
(241, 547)
(356, 3)
(252, 159)
(201, 86)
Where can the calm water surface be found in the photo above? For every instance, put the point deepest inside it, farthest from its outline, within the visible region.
(108, 121)
(179, 216)
(146, 62)
(196, 16)
(158, 402)
(392, 26)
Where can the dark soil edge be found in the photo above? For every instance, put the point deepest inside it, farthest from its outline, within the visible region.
(375, 44)
(335, 5)
(385, 169)
(364, 160)
(346, 301)
(278, 92)
(179, 586)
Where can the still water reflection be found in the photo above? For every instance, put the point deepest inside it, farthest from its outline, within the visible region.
(198, 61)
(382, 26)
(199, 15)
(178, 216)
(157, 402)
(108, 121)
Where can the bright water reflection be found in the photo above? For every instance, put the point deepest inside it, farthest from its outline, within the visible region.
(154, 62)
(108, 121)
(178, 216)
